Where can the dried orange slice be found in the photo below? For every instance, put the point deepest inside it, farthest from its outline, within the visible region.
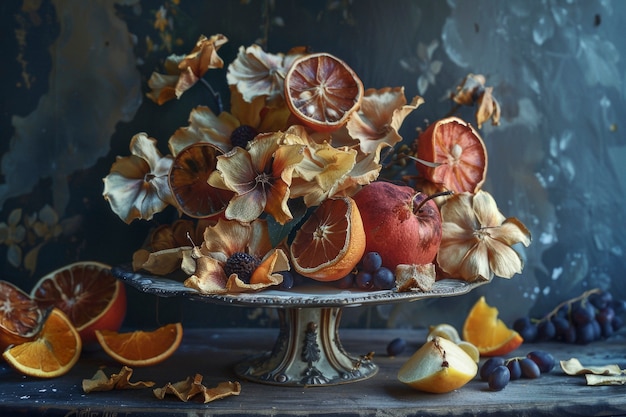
(140, 348)
(322, 91)
(487, 332)
(53, 353)
(330, 242)
(453, 155)
(87, 293)
(188, 179)
(20, 316)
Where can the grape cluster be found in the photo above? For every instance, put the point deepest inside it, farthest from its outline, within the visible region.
(370, 275)
(594, 315)
(498, 371)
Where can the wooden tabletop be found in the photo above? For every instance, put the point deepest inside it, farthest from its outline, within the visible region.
(213, 353)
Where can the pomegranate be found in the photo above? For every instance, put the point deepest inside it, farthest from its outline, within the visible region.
(401, 224)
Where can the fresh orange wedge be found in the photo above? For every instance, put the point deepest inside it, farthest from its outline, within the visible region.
(188, 178)
(330, 242)
(20, 316)
(140, 348)
(87, 293)
(452, 155)
(322, 91)
(487, 332)
(53, 353)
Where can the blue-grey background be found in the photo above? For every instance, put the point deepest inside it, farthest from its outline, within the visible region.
(73, 83)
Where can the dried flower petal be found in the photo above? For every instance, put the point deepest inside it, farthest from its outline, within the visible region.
(137, 185)
(477, 239)
(100, 382)
(205, 264)
(191, 387)
(184, 71)
(379, 118)
(260, 176)
(258, 73)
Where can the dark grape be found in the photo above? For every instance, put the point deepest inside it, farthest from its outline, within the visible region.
(561, 327)
(384, 279)
(345, 282)
(514, 369)
(607, 329)
(499, 378)
(600, 300)
(582, 313)
(371, 261)
(619, 306)
(617, 323)
(544, 360)
(396, 346)
(605, 315)
(288, 280)
(585, 334)
(526, 329)
(545, 330)
(570, 335)
(597, 330)
(529, 368)
(489, 365)
(364, 280)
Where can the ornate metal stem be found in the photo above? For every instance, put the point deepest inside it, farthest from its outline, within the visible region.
(307, 352)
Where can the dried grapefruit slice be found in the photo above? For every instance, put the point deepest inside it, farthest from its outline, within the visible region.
(188, 178)
(53, 353)
(455, 155)
(140, 348)
(322, 91)
(330, 242)
(87, 293)
(487, 332)
(20, 316)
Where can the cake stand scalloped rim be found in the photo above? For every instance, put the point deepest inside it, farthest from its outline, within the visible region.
(310, 295)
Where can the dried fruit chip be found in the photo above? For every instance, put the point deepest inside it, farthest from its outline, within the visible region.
(322, 91)
(415, 277)
(20, 316)
(190, 387)
(574, 367)
(121, 380)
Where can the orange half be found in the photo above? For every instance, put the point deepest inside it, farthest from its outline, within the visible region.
(487, 332)
(330, 242)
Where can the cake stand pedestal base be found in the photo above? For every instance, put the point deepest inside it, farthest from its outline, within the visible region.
(307, 352)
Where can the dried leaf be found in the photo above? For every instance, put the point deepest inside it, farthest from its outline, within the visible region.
(574, 367)
(100, 382)
(190, 387)
(605, 379)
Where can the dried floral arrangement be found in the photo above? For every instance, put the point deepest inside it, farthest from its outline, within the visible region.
(302, 132)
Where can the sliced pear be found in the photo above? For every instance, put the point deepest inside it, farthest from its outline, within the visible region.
(445, 330)
(439, 366)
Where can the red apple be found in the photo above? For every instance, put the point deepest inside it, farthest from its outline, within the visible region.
(397, 225)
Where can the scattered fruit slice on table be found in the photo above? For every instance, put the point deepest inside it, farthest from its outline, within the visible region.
(456, 155)
(487, 332)
(439, 366)
(322, 91)
(87, 293)
(53, 353)
(331, 242)
(188, 178)
(20, 316)
(141, 348)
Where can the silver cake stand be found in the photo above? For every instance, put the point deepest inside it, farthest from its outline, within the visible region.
(308, 351)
